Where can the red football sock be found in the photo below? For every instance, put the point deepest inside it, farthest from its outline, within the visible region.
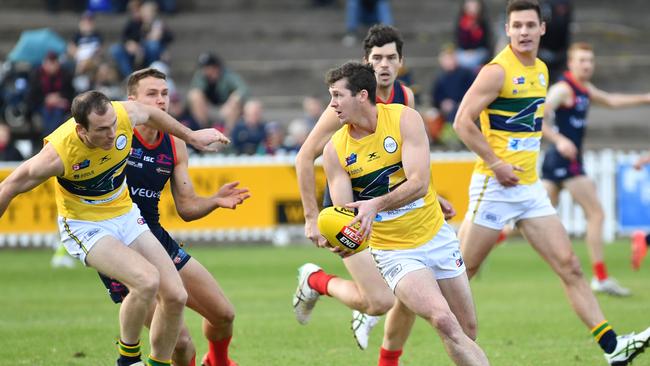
(319, 280)
(502, 237)
(218, 352)
(600, 271)
(389, 358)
(192, 361)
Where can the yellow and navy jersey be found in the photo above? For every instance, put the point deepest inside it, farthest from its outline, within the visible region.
(512, 123)
(374, 164)
(93, 185)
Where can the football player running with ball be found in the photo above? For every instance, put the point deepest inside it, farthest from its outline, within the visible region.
(393, 195)
(366, 294)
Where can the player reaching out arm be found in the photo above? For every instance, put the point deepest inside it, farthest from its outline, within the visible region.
(567, 105)
(156, 158)
(88, 156)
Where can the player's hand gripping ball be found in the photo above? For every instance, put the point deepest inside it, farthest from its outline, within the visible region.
(332, 223)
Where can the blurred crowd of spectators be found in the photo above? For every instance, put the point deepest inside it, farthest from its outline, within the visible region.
(35, 99)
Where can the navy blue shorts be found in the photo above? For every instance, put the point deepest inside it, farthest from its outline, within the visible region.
(557, 168)
(117, 291)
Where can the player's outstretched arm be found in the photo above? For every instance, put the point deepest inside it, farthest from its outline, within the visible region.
(191, 206)
(616, 100)
(311, 149)
(30, 174)
(484, 90)
(207, 139)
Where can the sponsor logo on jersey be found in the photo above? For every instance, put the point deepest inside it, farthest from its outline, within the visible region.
(518, 80)
(164, 159)
(120, 142)
(163, 171)
(81, 165)
(526, 117)
(355, 171)
(351, 159)
(581, 103)
(390, 145)
(104, 159)
(577, 123)
(143, 192)
(524, 144)
(373, 156)
(135, 164)
(542, 79)
(83, 175)
(136, 153)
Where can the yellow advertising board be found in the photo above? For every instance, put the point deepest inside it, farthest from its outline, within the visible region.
(275, 198)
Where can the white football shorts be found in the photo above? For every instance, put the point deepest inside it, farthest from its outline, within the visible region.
(441, 255)
(79, 236)
(492, 205)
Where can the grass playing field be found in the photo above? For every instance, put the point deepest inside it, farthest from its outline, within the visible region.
(63, 317)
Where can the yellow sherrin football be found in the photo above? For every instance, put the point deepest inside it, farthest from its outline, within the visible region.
(332, 223)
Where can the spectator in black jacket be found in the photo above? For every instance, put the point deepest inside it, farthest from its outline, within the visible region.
(50, 93)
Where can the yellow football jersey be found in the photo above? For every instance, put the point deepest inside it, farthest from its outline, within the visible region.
(512, 123)
(93, 185)
(374, 164)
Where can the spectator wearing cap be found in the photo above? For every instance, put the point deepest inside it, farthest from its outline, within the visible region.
(50, 93)
(216, 91)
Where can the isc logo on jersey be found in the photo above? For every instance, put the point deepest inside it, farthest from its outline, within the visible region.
(333, 225)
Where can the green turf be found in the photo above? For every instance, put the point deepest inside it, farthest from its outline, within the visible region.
(63, 317)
